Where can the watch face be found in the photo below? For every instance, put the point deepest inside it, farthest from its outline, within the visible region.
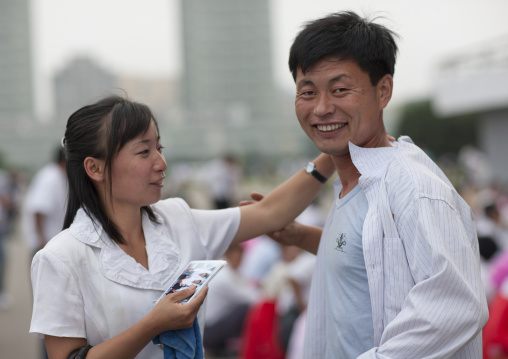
(310, 167)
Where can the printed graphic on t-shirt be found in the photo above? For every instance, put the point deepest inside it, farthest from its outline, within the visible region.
(341, 242)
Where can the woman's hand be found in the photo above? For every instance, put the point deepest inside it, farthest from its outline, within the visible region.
(170, 314)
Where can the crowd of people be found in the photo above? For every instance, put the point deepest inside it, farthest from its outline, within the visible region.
(404, 265)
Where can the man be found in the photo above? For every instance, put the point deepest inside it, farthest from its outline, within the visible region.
(397, 272)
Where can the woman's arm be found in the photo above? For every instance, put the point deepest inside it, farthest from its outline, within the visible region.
(168, 314)
(294, 234)
(284, 203)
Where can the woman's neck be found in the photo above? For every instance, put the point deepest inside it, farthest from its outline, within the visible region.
(129, 224)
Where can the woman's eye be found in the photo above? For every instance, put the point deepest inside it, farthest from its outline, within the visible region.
(160, 149)
(144, 152)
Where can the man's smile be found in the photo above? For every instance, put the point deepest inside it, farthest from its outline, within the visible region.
(329, 128)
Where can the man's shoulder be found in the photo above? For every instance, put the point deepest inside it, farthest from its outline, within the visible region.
(412, 170)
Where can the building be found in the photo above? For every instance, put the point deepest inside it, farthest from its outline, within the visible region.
(81, 82)
(230, 100)
(16, 80)
(16, 97)
(475, 81)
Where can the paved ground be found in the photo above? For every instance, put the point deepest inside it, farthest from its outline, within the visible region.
(15, 342)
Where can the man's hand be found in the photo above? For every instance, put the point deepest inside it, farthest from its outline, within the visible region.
(294, 234)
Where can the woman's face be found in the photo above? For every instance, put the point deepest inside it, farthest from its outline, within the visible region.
(137, 171)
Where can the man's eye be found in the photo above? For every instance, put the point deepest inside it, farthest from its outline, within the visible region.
(341, 89)
(307, 93)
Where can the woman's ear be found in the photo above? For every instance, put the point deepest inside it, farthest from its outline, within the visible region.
(94, 169)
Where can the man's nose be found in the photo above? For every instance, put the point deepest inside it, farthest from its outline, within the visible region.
(324, 105)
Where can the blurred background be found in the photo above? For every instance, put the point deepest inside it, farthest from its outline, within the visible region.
(215, 74)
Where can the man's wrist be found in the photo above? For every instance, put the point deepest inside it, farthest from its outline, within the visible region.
(311, 170)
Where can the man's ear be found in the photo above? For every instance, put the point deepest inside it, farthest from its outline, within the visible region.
(385, 88)
(94, 168)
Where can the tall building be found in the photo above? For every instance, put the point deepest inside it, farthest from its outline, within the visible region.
(80, 83)
(231, 103)
(16, 98)
(17, 122)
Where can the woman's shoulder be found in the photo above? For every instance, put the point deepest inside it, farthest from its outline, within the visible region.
(171, 203)
(172, 207)
(64, 247)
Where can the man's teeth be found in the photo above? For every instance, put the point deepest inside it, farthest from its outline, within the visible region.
(327, 128)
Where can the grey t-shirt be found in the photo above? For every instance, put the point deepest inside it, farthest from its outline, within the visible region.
(349, 327)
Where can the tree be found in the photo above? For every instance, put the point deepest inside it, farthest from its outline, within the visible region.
(437, 135)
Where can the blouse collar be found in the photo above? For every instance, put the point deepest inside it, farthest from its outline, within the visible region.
(118, 266)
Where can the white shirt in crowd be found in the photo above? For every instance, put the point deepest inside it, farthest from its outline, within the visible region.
(227, 290)
(47, 194)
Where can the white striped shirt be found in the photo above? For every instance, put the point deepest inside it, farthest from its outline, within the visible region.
(421, 254)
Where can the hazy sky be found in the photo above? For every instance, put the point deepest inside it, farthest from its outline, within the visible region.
(142, 37)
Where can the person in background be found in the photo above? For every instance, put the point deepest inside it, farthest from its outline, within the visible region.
(96, 282)
(490, 224)
(397, 272)
(230, 296)
(43, 208)
(221, 177)
(7, 203)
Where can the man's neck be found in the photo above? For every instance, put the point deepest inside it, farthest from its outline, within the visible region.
(347, 172)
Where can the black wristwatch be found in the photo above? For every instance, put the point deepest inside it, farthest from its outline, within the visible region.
(311, 169)
(80, 353)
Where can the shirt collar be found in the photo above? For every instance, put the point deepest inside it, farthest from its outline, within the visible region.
(89, 231)
(116, 265)
(372, 161)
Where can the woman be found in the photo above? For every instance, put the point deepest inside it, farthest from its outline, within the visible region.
(95, 283)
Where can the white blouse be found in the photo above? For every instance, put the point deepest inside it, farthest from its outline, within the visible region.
(86, 286)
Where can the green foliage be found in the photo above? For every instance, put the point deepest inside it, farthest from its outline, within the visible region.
(438, 136)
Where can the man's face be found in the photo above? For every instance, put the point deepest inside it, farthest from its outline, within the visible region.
(336, 104)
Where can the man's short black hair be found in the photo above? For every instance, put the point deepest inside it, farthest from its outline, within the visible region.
(346, 36)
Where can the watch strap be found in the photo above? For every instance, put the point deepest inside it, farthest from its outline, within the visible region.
(319, 176)
(311, 169)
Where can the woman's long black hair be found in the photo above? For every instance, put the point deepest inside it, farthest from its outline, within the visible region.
(100, 130)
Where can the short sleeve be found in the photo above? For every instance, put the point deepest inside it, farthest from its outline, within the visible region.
(217, 228)
(58, 307)
(42, 193)
(301, 269)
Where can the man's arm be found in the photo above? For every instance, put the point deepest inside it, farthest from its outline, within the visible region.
(300, 235)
